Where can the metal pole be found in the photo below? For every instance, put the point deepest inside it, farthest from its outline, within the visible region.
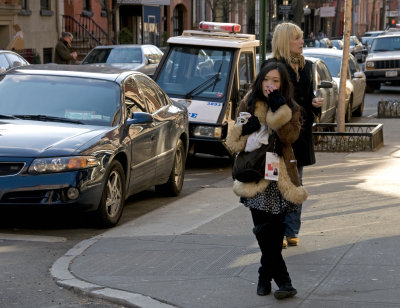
(262, 31)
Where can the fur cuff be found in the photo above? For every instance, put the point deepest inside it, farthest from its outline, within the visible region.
(235, 141)
(249, 190)
(279, 118)
(291, 192)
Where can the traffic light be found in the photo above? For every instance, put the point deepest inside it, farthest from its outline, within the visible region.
(392, 21)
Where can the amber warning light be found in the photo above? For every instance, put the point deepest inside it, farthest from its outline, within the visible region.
(219, 26)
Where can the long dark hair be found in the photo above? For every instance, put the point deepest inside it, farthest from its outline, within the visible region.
(256, 92)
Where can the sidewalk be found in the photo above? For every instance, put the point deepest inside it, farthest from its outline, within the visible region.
(200, 251)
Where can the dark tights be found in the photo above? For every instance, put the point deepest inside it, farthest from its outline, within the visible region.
(269, 230)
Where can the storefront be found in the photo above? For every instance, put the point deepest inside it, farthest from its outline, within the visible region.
(140, 20)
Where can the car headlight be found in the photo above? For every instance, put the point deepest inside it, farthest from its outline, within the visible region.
(369, 65)
(207, 131)
(62, 164)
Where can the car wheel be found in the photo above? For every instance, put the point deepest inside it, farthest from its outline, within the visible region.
(173, 186)
(372, 86)
(113, 197)
(347, 116)
(360, 109)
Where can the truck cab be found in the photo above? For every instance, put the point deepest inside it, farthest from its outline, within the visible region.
(209, 70)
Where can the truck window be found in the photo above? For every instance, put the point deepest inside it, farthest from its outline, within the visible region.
(246, 71)
(196, 72)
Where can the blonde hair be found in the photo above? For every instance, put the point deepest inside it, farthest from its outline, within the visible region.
(283, 33)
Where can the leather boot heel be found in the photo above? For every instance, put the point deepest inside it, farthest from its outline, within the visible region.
(263, 287)
(286, 290)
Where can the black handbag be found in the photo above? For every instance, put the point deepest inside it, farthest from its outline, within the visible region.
(250, 166)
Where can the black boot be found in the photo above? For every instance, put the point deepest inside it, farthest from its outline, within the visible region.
(285, 290)
(263, 287)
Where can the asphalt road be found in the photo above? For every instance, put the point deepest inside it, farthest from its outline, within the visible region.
(30, 241)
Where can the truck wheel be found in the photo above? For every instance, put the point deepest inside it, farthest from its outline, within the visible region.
(113, 197)
(347, 116)
(372, 86)
(173, 187)
(360, 109)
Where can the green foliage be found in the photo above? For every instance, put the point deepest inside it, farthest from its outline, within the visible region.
(125, 36)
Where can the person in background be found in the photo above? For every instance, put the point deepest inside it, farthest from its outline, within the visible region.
(64, 53)
(272, 108)
(311, 35)
(287, 48)
(321, 35)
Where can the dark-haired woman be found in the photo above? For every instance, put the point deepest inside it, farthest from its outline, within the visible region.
(272, 108)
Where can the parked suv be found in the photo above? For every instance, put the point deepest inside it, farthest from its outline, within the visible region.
(383, 61)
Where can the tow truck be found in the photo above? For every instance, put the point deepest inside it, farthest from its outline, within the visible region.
(209, 70)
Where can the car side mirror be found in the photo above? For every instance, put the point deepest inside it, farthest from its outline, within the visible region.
(325, 85)
(140, 118)
(358, 75)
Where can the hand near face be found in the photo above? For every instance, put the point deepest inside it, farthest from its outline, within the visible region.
(317, 102)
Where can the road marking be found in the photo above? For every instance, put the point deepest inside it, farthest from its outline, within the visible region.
(32, 238)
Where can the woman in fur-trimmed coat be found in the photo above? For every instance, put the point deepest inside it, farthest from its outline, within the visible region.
(270, 103)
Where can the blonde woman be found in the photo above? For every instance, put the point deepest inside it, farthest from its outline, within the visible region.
(287, 48)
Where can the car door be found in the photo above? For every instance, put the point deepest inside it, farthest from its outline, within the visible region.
(359, 83)
(142, 139)
(329, 94)
(164, 131)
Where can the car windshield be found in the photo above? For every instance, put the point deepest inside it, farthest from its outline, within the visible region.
(391, 43)
(196, 72)
(333, 63)
(33, 97)
(114, 55)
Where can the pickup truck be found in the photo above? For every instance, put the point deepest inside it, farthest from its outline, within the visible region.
(209, 70)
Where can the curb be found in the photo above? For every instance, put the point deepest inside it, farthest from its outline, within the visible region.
(63, 277)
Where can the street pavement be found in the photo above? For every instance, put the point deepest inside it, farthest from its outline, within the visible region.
(200, 251)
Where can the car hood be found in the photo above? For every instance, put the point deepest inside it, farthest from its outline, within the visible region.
(126, 66)
(40, 139)
(383, 55)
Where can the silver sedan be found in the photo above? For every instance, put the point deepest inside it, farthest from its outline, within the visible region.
(355, 82)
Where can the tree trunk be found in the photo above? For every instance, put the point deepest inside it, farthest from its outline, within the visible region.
(341, 110)
(298, 12)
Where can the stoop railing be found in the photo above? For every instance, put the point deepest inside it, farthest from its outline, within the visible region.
(87, 34)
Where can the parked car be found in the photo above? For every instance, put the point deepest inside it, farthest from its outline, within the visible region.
(141, 58)
(87, 137)
(383, 61)
(369, 36)
(337, 43)
(355, 82)
(357, 49)
(326, 87)
(10, 59)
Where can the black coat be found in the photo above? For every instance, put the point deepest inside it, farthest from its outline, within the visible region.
(303, 94)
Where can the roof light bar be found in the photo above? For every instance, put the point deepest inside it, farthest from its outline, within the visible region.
(219, 26)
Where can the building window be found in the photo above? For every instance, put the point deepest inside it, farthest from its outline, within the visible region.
(103, 8)
(24, 8)
(45, 8)
(44, 4)
(86, 8)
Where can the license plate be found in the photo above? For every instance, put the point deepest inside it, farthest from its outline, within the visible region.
(391, 74)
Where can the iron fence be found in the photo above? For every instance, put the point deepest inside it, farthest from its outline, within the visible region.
(357, 137)
(389, 108)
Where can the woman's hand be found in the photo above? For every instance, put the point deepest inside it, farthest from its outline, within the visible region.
(317, 102)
